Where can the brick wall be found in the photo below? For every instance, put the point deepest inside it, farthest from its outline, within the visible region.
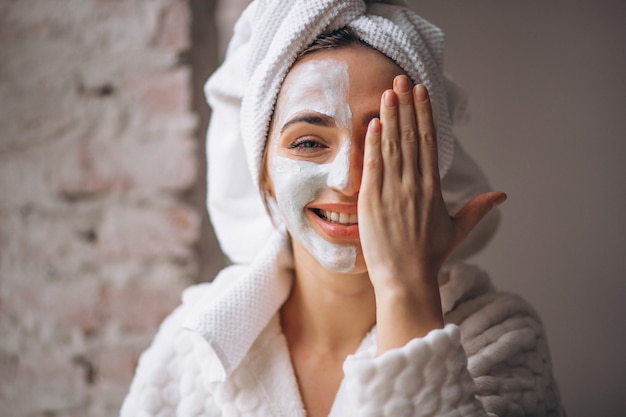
(98, 226)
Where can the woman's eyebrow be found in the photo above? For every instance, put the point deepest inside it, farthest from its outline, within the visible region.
(314, 119)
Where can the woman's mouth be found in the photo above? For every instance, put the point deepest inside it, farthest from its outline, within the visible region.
(336, 223)
(346, 219)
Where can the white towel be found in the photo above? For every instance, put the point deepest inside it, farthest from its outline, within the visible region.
(242, 93)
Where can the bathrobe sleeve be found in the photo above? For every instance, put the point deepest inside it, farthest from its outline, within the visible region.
(427, 377)
(166, 379)
(491, 359)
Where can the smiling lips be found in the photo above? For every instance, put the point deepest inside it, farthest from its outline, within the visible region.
(336, 221)
(345, 219)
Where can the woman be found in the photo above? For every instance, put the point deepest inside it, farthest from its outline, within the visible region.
(349, 303)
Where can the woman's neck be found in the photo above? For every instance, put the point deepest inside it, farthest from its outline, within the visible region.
(326, 311)
(324, 320)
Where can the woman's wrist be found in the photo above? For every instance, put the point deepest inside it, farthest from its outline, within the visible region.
(404, 314)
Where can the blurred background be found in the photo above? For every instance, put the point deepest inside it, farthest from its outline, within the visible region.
(102, 188)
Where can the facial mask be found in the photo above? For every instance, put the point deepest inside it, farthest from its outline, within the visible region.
(296, 183)
(320, 86)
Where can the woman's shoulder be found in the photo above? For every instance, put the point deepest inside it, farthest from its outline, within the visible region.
(173, 341)
(496, 326)
(176, 354)
(504, 340)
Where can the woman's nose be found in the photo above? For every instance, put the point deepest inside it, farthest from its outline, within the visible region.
(346, 169)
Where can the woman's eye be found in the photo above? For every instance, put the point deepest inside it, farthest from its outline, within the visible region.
(307, 143)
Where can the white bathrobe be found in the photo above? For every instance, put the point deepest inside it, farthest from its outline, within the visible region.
(223, 353)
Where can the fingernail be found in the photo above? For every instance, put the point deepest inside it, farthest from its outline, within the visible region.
(389, 98)
(402, 84)
(374, 125)
(421, 94)
(499, 200)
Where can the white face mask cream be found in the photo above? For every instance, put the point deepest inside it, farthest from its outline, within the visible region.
(319, 86)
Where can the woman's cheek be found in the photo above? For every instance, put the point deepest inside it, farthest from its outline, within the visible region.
(296, 184)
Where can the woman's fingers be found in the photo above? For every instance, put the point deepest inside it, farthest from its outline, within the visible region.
(407, 127)
(390, 140)
(371, 181)
(427, 142)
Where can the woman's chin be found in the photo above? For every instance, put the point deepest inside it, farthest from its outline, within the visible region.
(341, 259)
(333, 257)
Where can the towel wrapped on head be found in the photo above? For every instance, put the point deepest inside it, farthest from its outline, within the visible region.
(242, 93)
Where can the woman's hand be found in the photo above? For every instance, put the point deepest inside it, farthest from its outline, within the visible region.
(406, 231)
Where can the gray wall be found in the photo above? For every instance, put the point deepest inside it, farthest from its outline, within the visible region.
(548, 107)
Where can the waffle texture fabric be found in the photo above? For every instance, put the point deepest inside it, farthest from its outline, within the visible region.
(242, 94)
(210, 359)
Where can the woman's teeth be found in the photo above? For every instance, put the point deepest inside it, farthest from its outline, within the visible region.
(341, 218)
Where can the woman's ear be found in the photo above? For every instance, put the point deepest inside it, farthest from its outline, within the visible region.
(272, 209)
(266, 187)
(265, 182)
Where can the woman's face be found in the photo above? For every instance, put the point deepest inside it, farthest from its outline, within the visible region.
(315, 149)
